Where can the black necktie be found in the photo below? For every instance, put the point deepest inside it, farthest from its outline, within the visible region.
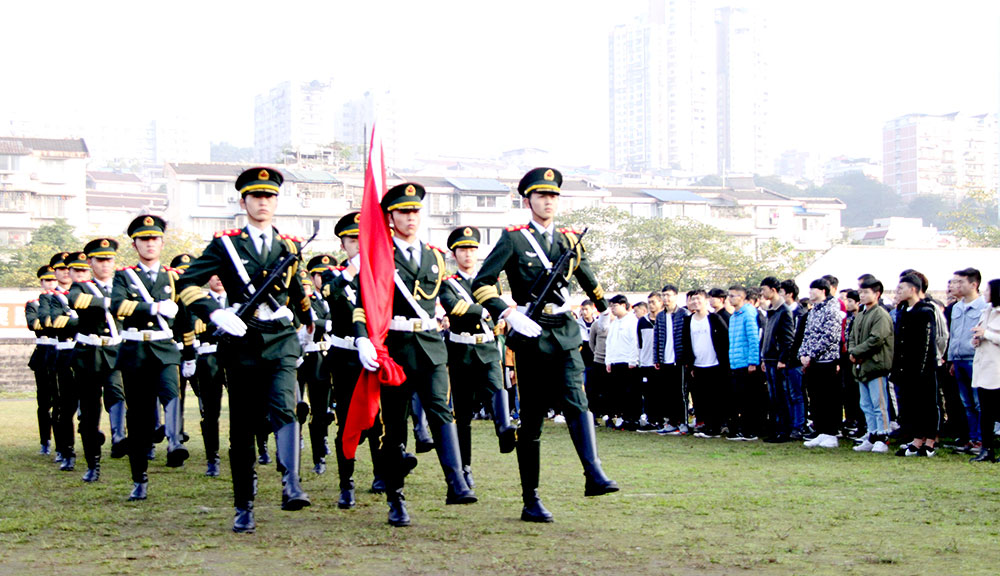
(264, 252)
(151, 276)
(546, 243)
(414, 263)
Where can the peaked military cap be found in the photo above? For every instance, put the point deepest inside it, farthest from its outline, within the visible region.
(348, 225)
(464, 237)
(77, 261)
(547, 180)
(46, 273)
(405, 196)
(101, 248)
(58, 260)
(320, 263)
(259, 180)
(147, 225)
(182, 261)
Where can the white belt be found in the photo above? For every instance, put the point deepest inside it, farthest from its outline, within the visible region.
(207, 348)
(549, 309)
(45, 341)
(343, 343)
(321, 346)
(94, 340)
(65, 345)
(466, 338)
(147, 335)
(402, 324)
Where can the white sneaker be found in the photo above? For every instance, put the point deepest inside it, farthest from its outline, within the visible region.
(829, 442)
(559, 419)
(865, 446)
(879, 447)
(814, 442)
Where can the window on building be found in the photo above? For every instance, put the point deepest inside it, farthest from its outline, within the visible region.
(49, 207)
(212, 193)
(486, 201)
(13, 201)
(9, 163)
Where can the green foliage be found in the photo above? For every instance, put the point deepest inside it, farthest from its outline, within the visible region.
(18, 266)
(975, 219)
(635, 254)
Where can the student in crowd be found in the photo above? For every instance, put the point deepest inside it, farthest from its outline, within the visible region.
(705, 357)
(645, 327)
(621, 359)
(789, 291)
(986, 371)
(744, 360)
(596, 386)
(870, 348)
(668, 346)
(966, 313)
(776, 350)
(820, 355)
(914, 366)
(718, 300)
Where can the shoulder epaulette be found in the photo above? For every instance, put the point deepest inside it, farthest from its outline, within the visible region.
(30, 301)
(88, 282)
(338, 268)
(136, 267)
(568, 230)
(230, 232)
(452, 277)
(517, 227)
(432, 247)
(290, 237)
(169, 269)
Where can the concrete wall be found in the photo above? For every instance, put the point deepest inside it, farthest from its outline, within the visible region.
(15, 376)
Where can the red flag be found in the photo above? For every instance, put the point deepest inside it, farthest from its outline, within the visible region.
(377, 287)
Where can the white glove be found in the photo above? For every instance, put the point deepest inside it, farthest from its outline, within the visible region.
(305, 338)
(299, 361)
(188, 367)
(228, 320)
(283, 312)
(367, 354)
(165, 308)
(72, 314)
(519, 322)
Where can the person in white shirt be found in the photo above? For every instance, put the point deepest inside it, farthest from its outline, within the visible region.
(621, 357)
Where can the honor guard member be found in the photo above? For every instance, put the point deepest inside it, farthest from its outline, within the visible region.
(145, 297)
(315, 370)
(98, 336)
(548, 365)
(188, 355)
(473, 356)
(209, 377)
(340, 290)
(415, 343)
(41, 359)
(260, 360)
(59, 313)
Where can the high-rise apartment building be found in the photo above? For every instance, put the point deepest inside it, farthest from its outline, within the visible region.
(947, 155)
(742, 84)
(296, 117)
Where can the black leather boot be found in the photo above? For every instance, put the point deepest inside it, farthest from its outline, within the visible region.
(446, 442)
(93, 473)
(243, 522)
(985, 455)
(263, 457)
(421, 431)
(317, 439)
(302, 413)
(119, 442)
(398, 516)
(68, 463)
(506, 430)
(345, 469)
(139, 489)
(528, 463)
(293, 497)
(581, 430)
(177, 453)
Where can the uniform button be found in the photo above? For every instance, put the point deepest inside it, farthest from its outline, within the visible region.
(150, 324)
(106, 330)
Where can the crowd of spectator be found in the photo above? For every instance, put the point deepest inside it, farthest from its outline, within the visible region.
(757, 362)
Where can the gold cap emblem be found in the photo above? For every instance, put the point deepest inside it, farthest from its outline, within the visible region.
(185, 258)
(81, 256)
(549, 175)
(263, 175)
(411, 191)
(64, 255)
(105, 243)
(467, 232)
(325, 260)
(357, 218)
(148, 221)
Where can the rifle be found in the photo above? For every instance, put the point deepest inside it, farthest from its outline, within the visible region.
(547, 289)
(254, 295)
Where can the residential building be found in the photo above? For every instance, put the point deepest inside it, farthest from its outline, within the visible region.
(946, 155)
(843, 166)
(903, 233)
(115, 198)
(41, 180)
(294, 118)
(742, 88)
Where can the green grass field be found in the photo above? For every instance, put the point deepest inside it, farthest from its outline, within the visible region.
(687, 506)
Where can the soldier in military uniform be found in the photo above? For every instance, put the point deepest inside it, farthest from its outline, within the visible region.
(415, 343)
(188, 355)
(57, 311)
(260, 361)
(209, 378)
(98, 336)
(41, 359)
(315, 370)
(340, 290)
(473, 356)
(145, 297)
(548, 363)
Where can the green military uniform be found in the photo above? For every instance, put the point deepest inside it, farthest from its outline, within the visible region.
(41, 364)
(314, 373)
(188, 355)
(58, 315)
(94, 357)
(473, 357)
(549, 368)
(148, 357)
(340, 291)
(208, 382)
(415, 343)
(260, 366)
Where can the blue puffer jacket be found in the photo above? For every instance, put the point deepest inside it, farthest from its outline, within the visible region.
(744, 338)
(660, 334)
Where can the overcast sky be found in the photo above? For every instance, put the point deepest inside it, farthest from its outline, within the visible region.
(476, 78)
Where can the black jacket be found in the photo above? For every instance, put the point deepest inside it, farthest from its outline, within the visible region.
(799, 326)
(915, 352)
(720, 340)
(776, 345)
